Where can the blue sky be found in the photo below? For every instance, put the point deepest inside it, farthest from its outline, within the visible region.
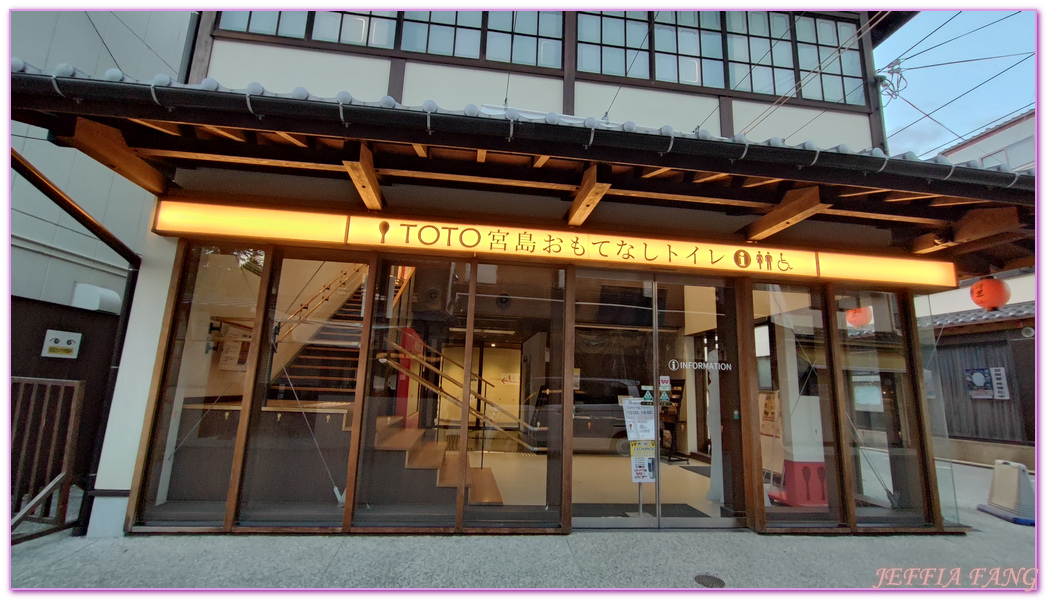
(929, 88)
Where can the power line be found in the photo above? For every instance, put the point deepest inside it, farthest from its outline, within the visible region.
(960, 96)
(964, 34)
(146, 44)
(100, 38)
(928, 116)
(919, 42)
(979, 128)
(969, 60)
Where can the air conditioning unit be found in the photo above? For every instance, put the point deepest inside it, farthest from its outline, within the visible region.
(1011, 495)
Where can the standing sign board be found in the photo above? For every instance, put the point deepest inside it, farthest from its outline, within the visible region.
(643, 454)
(639, 419)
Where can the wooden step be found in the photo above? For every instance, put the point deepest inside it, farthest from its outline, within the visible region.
(404, 439)
(428, 455)
(326, 367)
(349, 359)
(448, 474)
(298, 388)
(484, 489)
(312, 378)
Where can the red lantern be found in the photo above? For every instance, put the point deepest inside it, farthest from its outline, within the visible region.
(990, 294)
(859, 317)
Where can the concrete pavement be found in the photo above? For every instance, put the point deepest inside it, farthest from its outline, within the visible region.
(584, 559)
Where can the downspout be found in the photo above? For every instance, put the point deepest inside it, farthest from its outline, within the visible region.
(67, 204)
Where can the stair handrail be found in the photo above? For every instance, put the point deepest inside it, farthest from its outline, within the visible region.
(384, 359)
(403, 284)
(452, 361)
(475, 394)
(345, 275)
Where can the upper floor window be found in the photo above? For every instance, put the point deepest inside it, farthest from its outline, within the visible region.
(1017, 156)
(523, 37)
(752, 51)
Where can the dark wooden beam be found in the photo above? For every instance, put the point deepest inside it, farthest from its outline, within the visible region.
(851, 192)
(954, 201)
(1027, 262)
(987, 242)
(589, 195)
(298, 140)
(361, 171)
(648, 172)
(235, 135)
(751, 182)
(975, 225)
(107, 145)
(706, 177)
(239, 159)
(161, 126)
(907, 196)
(796, 206)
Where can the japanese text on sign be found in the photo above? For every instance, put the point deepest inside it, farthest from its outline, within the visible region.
(577, 246)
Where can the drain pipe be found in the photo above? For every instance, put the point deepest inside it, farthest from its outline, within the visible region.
(67, 204)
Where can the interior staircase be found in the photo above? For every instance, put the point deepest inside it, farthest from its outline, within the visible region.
(420, 453)
(326, 368)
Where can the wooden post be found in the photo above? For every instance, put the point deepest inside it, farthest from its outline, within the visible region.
(567, 399)
(362, 368)
(467, 386)
(840, 400)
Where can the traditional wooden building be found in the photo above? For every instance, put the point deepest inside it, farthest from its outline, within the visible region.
(401, 309)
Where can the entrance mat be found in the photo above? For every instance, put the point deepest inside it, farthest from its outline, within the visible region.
(620, 510)
(703, 470)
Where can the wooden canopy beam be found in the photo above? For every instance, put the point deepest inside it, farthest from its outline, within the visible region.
(649, 172)
(107, 145)
(161, 126)
(481, 155)
(796, 206)
(589, 195)
(975, 225)
(361, 171)
(539, 161)
(897, 196)
(298, 140)
(420, 150)
(706, 177)
(224, 132)
(751, 182)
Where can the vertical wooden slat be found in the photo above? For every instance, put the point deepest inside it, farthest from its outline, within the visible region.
(16, 418)
(69, 458)
(749, 404)
(22, 469)
(844, 437)
(362, 369)
(467, 386)
(567, 399)
(254, 357)
(919, 410)
(55, 459)
(41, 436)
(153, 399)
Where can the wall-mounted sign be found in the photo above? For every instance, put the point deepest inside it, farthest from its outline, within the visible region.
(61, 344)
(639, 419)
(697, 365)
(578, 246)
(643, 454)
(235, 348)
(1000, 391)
(979, 383)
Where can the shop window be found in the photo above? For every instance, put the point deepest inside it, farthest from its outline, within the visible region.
(796, 414)
(208, 357)
(880, 410)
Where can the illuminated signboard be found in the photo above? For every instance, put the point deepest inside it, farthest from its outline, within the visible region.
(493, 241)
(578, 246)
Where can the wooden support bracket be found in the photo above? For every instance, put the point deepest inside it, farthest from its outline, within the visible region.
(361, 171)
(797, 205)
(589, 195)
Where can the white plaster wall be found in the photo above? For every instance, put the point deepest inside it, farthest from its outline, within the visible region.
(1023, 289)
(455, 87)
(127, 415)
(825, 128)
(648, 108)
(281, 69)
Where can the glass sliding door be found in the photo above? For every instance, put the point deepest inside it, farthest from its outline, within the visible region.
(672, 363)
(300, 430)
(191, 451)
